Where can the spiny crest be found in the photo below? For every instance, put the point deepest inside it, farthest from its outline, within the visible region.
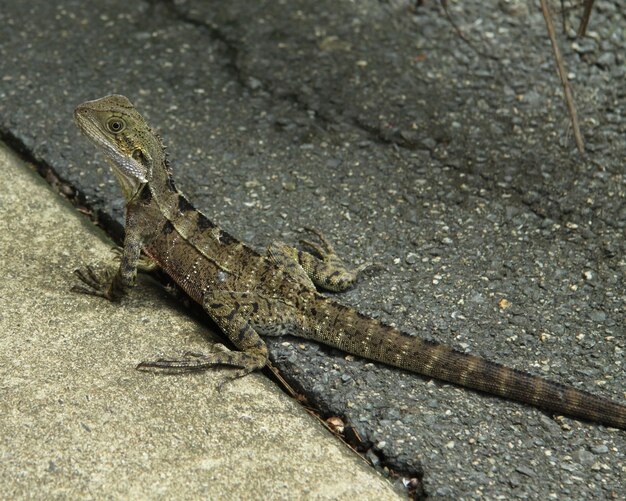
(166, 160)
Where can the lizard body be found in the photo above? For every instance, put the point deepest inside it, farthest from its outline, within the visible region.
(249, 295)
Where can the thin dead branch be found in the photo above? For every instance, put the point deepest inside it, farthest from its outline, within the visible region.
(569, 100)
(461, 35)
(582, 29)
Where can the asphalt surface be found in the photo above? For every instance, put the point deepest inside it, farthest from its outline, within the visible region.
(449, 164)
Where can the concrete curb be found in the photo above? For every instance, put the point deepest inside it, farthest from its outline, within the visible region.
(78, 422)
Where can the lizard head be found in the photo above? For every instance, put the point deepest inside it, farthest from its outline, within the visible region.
(117, 128)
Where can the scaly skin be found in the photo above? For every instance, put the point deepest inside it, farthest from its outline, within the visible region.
(249, 295)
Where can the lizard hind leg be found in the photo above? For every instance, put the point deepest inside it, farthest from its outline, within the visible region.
(234, 314)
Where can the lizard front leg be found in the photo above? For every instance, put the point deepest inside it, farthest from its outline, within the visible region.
(320, 267)
(108, 285)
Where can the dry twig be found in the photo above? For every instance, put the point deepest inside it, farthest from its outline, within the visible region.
(582, 29)
(569, 100)
(461, 35)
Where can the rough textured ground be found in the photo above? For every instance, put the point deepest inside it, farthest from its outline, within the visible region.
(79, 423)
(451, 165)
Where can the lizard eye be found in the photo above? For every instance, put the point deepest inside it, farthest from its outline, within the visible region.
(116, 125)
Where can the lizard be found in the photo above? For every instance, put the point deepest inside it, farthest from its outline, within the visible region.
(250, 295)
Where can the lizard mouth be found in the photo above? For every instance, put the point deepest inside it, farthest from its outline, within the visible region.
(88, 125)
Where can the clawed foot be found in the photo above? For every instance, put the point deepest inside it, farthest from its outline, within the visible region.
(193, 362)
(326, 252)
(323, 251)
(117, 252)
(93, 284)
(369, 266)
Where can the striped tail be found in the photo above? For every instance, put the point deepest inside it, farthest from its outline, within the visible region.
(360, 335)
